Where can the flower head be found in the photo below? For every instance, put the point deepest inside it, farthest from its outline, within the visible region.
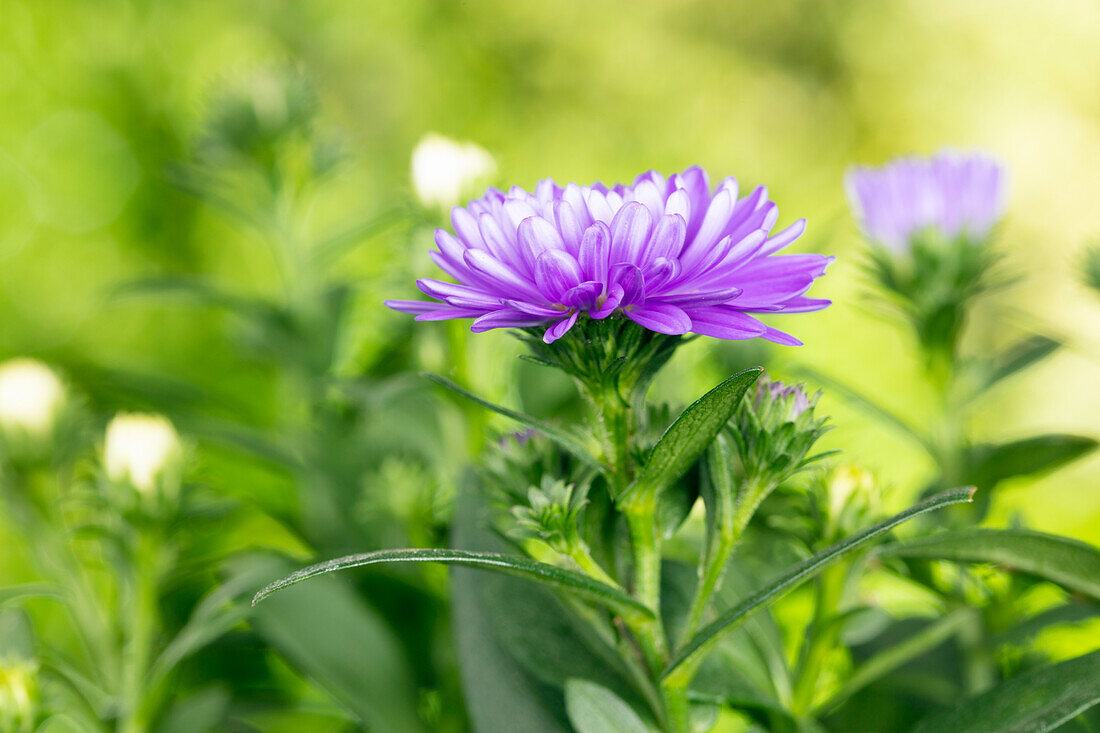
(444, 170)
(139, 449)
(672, 255)
(31, 396)
(951, 193)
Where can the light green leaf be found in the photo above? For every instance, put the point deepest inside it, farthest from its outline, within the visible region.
(692, 652)
(1039, 700)
(993, 464)
(346, 647)
(596, 709)
(893, 657)
(870, 406)
(559, 436)
(1069, 563)
(1017, 358)
(690, 434)
(567, 580)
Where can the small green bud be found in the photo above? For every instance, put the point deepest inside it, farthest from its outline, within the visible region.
(774, 430)
(551, 514)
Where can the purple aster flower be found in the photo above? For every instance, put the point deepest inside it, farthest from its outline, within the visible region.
(669, 254)
(954, 194)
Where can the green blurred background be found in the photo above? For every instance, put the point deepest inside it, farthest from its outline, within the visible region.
(101, 101)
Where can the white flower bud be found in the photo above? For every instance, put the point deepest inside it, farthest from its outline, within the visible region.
(444, 170)
(31, 396)
(139, 448)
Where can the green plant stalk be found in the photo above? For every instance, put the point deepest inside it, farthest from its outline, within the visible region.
(823, 637)
(140, 634)
(733, 523)
(641, 519)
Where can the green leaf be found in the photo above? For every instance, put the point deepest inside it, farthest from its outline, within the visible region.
(567, 580)
(1071, 564)
(497, 690)
(993, 464)
(690, 434)
(596, 709)
(691, 653)
(335, 639)
(16, 593)
(329, 250)
(870, 406)
(1039, 700)
(893, 657)
(1017, 358)
(559, 436)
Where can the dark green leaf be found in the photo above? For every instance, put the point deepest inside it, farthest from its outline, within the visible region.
(327, 632)
(559, 436)
(1069, 563)
(596, 709)
(497, 690)
(1039, 700)
(691, 433)
(197, 713)
(567, 580)
(692, 652)
(993, 464)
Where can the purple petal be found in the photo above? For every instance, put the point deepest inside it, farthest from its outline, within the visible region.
(630, 279)
(557, 272)
(725, 322)
(779, 337)
(505, 318)
(415, 307)
(660, 317)
(506, 279)
(534, 309)
(667, 240)
(802, 304)
(536, 235)
(595, 252)
(614, 298)
(559, 329)
(447, 314)
(630, 232)
(584, 295)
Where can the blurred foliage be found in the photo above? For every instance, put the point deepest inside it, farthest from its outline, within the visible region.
(203, 204)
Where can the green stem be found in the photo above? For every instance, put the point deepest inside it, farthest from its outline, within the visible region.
(822, 638)
(677, 709)
(139, 637)
(645, 541)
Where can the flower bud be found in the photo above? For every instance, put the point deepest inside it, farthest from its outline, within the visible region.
(444, 170)
(550, 514)
(31, 397)
(852, 497)
(140, 450)
(774, 429)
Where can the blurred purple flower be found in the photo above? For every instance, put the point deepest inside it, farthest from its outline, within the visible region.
(953, 193)
(669, 254)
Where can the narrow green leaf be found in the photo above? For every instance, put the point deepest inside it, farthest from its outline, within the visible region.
(993, 464)
(690, 434)
(692, 652)
(566, 580)
(1071, 564)
(1017, 358)
(1039, 700)
(596, 709)
(559, 436)
(889, 659)
(870, 406)
(331, 249)
(338, 641)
